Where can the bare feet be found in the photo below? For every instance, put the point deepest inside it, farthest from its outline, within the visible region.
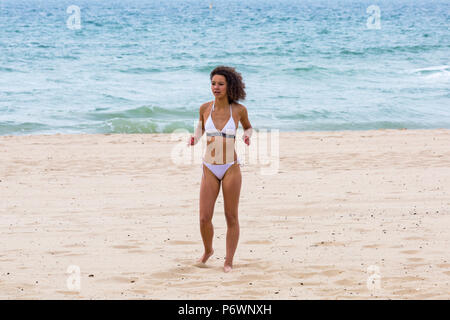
(205, 257)
(227, 267)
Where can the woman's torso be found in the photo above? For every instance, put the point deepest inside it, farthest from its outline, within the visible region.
(220, 149)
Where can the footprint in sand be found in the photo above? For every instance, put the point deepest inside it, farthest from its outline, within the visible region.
(414, 238)
(181, 242)
(193, 263)
(255, 277)
(175, 273)
(69, 293)
(415, 259)
(409, 251)
(302, 275)
(75, 245)
(121, 279)
(139, 251)
(258, 242)
(232, 283)
(182, 270)
(139, 291)
(445, 266)
(345, 282)
(58, 252)
(125, 247)
(201, 265)
(320, 267)
(74, 255)
(163, 275)
(328, 244)
(331, 273)
(196, 284)
(260, 265)
(372, 246)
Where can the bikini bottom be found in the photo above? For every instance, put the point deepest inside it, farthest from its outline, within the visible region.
(219, 170)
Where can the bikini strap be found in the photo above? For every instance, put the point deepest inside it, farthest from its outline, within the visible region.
(212, 109)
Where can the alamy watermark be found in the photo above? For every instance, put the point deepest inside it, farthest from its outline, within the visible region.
(374, 20)
(73, 281)
(74, 20)
(264, 150)
(373, 281)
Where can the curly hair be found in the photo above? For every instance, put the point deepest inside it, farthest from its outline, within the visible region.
(235, 85)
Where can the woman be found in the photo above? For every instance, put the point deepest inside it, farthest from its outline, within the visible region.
(220, 162)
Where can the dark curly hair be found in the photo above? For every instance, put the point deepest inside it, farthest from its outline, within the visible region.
(235, 85)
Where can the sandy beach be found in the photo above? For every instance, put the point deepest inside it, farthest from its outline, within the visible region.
(347, 215)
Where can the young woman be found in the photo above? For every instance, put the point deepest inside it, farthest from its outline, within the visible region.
(220, 119)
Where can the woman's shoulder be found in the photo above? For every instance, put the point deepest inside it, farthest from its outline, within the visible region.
(205, 105)
(240, 107)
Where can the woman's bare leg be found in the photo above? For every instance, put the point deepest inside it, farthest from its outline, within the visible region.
(209, 190)
(231, 188)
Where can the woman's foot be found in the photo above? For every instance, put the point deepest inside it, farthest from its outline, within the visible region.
(227, 267)
(206, 256)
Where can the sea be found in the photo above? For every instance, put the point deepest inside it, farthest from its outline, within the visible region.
(143, 66)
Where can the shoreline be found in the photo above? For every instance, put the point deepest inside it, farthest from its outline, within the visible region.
(239, 129)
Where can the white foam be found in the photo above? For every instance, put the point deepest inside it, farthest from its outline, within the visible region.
(434, 68)
(433, 73)
(444, 75)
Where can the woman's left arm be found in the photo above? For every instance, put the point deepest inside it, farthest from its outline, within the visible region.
(248, 130)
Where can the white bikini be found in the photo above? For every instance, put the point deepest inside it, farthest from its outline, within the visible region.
(229, 131)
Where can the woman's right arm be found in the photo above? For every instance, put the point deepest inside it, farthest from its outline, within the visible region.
(200, 130)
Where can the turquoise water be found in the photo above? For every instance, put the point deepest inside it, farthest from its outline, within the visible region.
(143, 66)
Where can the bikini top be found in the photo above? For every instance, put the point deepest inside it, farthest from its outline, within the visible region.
(229, 131)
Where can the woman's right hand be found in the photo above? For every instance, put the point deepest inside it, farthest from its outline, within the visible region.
(191, 141)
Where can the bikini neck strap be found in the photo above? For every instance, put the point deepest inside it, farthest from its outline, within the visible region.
(215, 104)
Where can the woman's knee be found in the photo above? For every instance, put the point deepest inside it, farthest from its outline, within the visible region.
(205, 219)
(231, 218)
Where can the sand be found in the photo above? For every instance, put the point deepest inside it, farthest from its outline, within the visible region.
(346, 215)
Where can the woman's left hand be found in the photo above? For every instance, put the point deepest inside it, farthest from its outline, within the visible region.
(246, 139)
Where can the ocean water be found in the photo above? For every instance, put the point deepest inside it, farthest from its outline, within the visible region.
(136, 66)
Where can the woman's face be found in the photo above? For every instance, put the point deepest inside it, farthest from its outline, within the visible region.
(219, 86)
